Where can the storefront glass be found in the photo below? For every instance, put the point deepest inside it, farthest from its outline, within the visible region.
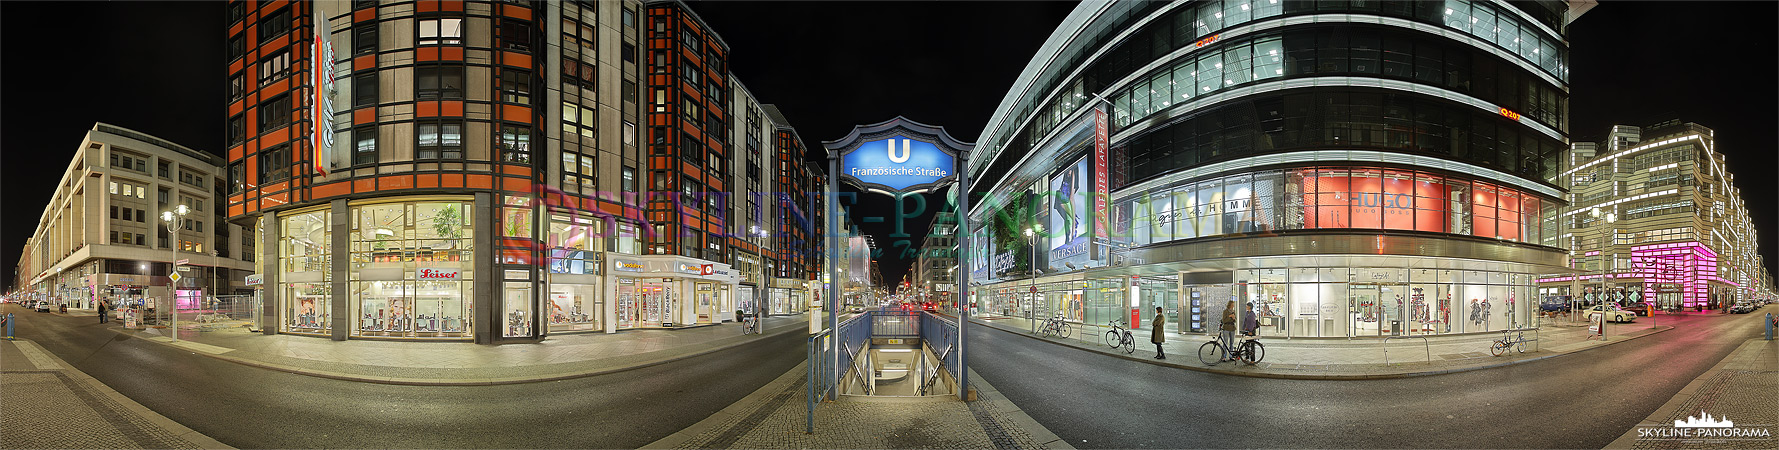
(576, 246)
(410, 270)
(303, 262)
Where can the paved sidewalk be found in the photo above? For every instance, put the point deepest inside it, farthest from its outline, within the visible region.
(775, 416)
(1743, 389)
(1359, 358)
(462, 363)
(44, 403)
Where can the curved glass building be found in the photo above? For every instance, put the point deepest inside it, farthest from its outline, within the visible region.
(1335, 169)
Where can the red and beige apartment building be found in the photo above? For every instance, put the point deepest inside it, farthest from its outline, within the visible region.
(494, 171)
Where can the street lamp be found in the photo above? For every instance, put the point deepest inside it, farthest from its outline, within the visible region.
(175, 220)
(759, 286)
(1031, 238)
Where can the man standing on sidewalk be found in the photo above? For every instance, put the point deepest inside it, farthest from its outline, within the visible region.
(103, 317)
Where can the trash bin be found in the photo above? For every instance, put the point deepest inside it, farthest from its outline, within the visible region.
(1395, 328)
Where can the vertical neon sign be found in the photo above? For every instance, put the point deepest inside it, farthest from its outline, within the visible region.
(321, 54)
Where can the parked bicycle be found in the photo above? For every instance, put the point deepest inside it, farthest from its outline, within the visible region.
(750, 325)
(1510, 340)
(1118, 337)
(1055, 327)
(1250, 351)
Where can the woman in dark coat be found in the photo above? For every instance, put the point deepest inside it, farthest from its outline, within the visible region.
(1156, 328)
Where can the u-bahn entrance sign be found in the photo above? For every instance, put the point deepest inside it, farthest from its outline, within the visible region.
(898, 157)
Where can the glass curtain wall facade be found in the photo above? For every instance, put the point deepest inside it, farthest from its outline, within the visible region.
(1393, 163)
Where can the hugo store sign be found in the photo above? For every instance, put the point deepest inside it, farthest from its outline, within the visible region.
(439, 275)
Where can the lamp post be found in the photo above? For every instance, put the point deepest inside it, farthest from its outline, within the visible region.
(1031, 239)
(760, 285)
(175, 220)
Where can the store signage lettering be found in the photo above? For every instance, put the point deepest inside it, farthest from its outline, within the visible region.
(1404, 203)
(1510, 114)
(691, 268)
(322, 112)
(438, 274)
(255, 279)
(1073, 249)
(1101, 188)
(897, 164)
(629, 266)
(1207, 40)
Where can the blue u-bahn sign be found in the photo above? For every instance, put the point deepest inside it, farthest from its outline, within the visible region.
(897, 156)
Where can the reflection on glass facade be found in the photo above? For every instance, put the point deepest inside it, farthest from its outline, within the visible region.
(1326, 198)
(1294, 302)
(410, 269)
(303, 260)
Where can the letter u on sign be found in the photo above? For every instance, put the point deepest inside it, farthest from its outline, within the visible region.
(906, 149)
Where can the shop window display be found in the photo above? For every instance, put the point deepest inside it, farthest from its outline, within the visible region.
(303, 261)
(411, 266)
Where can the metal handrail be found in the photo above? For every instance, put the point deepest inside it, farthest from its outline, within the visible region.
(1424, 342)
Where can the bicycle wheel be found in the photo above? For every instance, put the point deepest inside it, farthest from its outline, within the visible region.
(1253, 352)
(1498, 348)
(1130, 344)
(1112, 339)
(1063, 330)
(1210, 353)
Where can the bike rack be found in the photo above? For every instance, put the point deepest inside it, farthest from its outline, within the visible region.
(1428, 345)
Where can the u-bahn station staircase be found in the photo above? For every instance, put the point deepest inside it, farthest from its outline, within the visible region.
(892, 353)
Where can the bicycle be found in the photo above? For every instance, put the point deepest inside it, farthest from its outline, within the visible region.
(1120, 337)
(750, 325)
(1055, 327)
(1250, 351)
(1510, 339)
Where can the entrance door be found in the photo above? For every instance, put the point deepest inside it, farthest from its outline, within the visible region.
(1363, 310)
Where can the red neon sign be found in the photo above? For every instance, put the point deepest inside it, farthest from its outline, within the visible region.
(1510, 114)
(1207, 40)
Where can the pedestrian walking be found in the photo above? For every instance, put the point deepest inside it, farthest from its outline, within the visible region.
(1228, 330)
(103, 317)
(1156, 330)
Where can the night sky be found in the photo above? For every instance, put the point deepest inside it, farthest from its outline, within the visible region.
(158, 68)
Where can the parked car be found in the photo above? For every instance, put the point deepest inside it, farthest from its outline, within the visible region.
(1742, 308)
(1642, 309)
(42, 306)
(1612, 312)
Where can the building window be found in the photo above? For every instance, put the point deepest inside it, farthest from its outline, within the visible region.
(162, 196)
(364, 145)
(629, 134)
(629, 91)
(364, 38)
(237, 11)
(578, 118)
(629, 179)
(691, 74)
(165, 169)
(237, 129)
(141, 240)
(515, 35)
(629, 18)
(660, 100)
(515, 144)
(362, 4)
(694, 114)
(237, 179)
(440, 140)
(274, 113)
(237, 86)
(658, 61)
(114, 212)
(274, 164)
(439, 82)
(690, 149)
(515, 86)
(629, 53)
(274, 25)
(364, 89)
(441, 31)
(237, 47)
(690, 41)
(274, 67)
(114, 188)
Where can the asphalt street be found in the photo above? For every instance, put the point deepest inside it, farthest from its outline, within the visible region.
(1579, 400)
(255, 408)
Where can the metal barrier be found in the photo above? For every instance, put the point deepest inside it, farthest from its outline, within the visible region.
(895, 323)
(221, 312)
(1424, 341)
(851, 336)
(940, 335)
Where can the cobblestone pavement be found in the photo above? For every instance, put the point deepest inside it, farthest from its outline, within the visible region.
(1743, 389)
(46, 404)
(1358, 358)
(449, 363)
(775, 417)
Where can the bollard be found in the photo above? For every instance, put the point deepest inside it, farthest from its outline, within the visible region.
(1769, 327)
(9, 327)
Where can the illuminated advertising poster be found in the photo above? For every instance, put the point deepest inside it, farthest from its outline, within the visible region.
(978, 258)
(1376, 199)
(1068, 207)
